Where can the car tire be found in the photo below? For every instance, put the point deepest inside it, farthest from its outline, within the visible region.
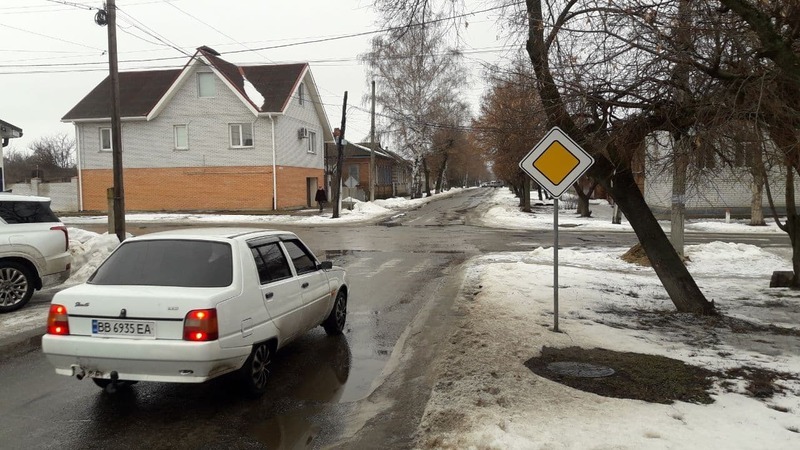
(256, 370)
(16, 286)
(334, 324)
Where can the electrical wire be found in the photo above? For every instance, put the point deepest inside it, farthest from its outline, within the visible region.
(291, 44)
(215, 29)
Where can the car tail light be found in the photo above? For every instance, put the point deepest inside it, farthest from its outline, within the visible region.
(200, 325)
(58, 320)
(66, 235)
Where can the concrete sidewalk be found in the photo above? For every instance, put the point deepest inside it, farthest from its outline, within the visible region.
(22, 330)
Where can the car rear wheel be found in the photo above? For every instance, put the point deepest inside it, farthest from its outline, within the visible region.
(334, 324)
(256, 370)
(16, 286)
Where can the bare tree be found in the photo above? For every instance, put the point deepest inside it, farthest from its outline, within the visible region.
(49, 157)
(511, 122)
(55, 151)
(418, 83)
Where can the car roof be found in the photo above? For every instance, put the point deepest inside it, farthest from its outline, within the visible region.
(212, 233)
(7, 196)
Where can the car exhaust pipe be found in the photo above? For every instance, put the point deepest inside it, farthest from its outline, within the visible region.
(78, 371)
(111, 388)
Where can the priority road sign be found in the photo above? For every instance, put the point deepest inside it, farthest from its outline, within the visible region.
(556, 162)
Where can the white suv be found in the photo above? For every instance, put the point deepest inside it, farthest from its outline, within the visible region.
(34, 249)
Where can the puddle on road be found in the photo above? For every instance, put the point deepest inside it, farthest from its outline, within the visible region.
(288, 431)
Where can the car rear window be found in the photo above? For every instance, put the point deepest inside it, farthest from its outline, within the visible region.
(183, 263)
(27, 212)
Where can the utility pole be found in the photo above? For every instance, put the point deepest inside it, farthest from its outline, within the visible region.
(116, 126)
(372, 181)
(337, 185)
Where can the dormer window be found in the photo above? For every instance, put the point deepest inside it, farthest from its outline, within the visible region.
(301, 93)
(206, 86)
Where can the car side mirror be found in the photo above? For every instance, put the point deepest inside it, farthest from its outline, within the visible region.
(326, 265)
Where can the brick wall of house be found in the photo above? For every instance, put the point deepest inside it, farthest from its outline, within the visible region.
(245, 188)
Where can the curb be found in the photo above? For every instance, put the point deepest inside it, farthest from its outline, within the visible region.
(24, 342)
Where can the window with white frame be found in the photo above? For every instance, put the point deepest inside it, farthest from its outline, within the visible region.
(301, 94)
(241, 135)
(312, 142)
(105, 139)
(181, 133)
(206, 84)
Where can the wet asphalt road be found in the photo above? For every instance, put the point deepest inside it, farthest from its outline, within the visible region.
(366, 389)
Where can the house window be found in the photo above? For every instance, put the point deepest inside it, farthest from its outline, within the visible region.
(105, 139)
(241, 135)
(384, 175)
(301, 93)
(181, 134)
(206, 84)
(353, 172)
(312, 142)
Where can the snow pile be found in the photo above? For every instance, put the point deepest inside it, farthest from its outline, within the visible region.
(88, 251)
(252, 93)
(485, 397)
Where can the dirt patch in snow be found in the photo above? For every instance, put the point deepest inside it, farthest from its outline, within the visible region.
(636, 255)
(651, 378)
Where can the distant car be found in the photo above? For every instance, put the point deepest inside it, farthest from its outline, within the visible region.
(186, 306)
(34, 249)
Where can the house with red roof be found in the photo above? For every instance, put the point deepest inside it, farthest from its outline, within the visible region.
(210, 136)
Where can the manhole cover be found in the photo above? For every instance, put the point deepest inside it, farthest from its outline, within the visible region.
(578, 369)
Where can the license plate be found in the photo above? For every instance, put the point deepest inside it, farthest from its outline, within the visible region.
(123, 328)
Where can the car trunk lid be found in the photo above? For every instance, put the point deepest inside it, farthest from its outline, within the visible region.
(136, 312)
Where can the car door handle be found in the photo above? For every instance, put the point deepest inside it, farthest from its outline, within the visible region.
(304, 285)
(268, 295)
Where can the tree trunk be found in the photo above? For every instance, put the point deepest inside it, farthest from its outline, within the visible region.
(680, 165)
(427, 174)
(440, 174)
(526, 194)
(583, 198)
(674, 276)
(757, 171)
(793, 224)
(669, 267)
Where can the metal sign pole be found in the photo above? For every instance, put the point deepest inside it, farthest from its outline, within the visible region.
(556, 163)
(555, 264)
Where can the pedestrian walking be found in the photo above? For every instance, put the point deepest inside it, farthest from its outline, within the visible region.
(321, 198)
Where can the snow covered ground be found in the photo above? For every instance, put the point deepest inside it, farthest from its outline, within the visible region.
(486, 398)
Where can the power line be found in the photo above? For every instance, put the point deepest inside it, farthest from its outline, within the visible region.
(76, 5)
(150, 32)
(51, 37)
(215, 29)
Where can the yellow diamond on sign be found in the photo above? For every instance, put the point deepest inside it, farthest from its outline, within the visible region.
(556, 162)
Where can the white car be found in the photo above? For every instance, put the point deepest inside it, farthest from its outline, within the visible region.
(187, 306)
(34, 249)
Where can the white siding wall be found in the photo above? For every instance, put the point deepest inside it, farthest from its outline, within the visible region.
(722, 188)
(293, 151)
(151, 144)
(63, 196)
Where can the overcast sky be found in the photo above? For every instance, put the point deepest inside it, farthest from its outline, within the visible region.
(53, 53)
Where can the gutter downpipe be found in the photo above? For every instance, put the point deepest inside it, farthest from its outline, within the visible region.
(78, 150)
(274, 166)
